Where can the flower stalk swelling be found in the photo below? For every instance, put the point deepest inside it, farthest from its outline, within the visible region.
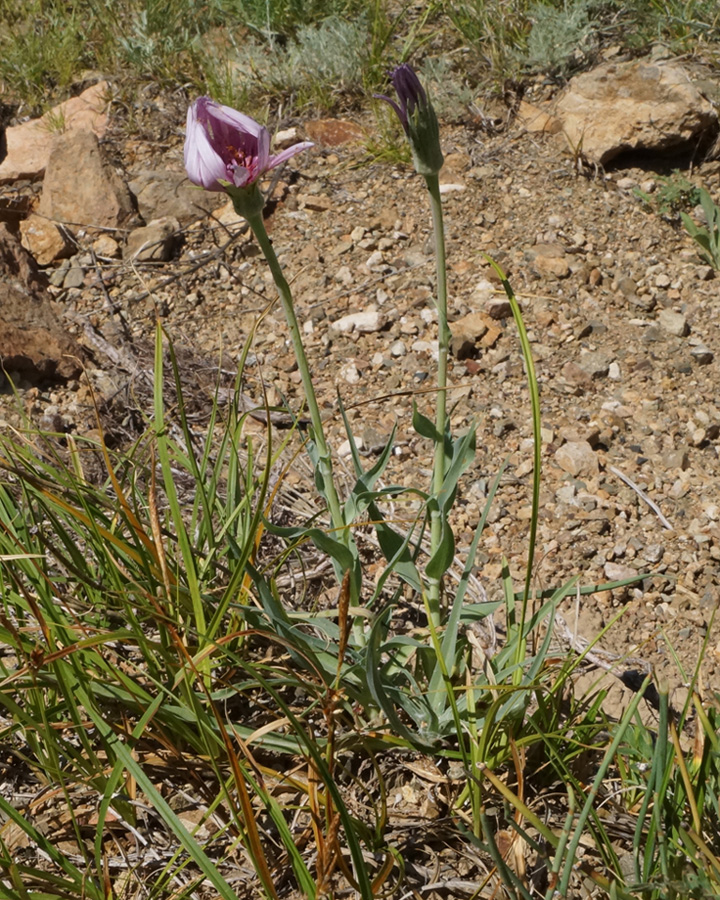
(418, 118)
(228, 151)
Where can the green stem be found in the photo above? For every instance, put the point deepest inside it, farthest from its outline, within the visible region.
(439, 463)
(318, 433)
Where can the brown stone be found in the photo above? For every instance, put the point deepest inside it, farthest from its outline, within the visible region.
(334, 132)
(45, 240)
(28, 145)
(155, 242)
(80, 187)
(637, 105)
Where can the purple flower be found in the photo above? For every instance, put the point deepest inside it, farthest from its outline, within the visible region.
(226, 149)
(418, 119)
(410, 93)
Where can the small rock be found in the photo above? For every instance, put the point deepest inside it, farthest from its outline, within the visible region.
(676, 459)
(45, 240)
(627, 287)
(627, 183)
(596, 363)
(315, 202)
(497, 308)
(74, 278)
(106, 247)
(465, 333)
(334, 132)
(566, 494)
(642, 105)
(398, 348)
(673, 322)
(549, 259)
(285, 138)
(153, 243)
(653, 553)
(702, 355)
(578, 459)
(376, 263)
(367, 322)
(645, 302)
(29, 144)
(451, 187)
(618, 572)
(350, 373)
(573, 374)
(162, 192)
(345, 449)
(32, 340)
(705, 273)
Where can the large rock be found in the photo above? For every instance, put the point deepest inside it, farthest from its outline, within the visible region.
(80, 187)
(32, 340)
(638, 105)
(28, 145)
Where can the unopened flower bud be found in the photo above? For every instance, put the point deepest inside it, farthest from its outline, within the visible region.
(418, 119)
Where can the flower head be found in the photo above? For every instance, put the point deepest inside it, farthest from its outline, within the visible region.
(225, 149)
(418, 119)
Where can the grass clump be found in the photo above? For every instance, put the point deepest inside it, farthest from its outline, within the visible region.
(313, 68)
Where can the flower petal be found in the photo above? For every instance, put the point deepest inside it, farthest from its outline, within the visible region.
(286, 154)
(202, 164)
(400, 112)
(236, 121)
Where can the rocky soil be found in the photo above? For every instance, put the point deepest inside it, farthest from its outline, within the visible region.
(623, 318)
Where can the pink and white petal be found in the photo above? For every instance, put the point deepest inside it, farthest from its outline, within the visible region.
(263, 150)
(287, 154)
(202, 164)
(236, 120)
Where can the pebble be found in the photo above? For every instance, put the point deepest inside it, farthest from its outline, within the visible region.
(627, 183)
(618, 572)
(155, 242)
(595, 363)
(653, 553)
(367, 322)
(74, 277)
(577, 458)
(673, 322)
(376, 263)
(350, 373)
(702, 355)
(497, 308)
(106, 247)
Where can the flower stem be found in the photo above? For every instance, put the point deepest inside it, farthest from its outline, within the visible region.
(439, 463)
(318, 433)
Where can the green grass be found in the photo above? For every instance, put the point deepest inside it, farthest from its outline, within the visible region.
(142, 621)
(321, 54)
